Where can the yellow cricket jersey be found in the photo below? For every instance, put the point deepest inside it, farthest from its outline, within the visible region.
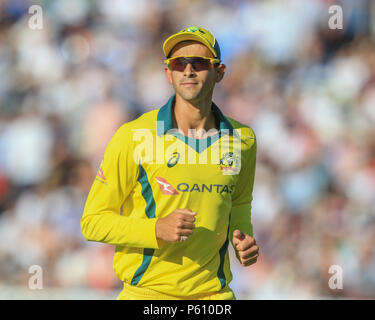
(148, 171)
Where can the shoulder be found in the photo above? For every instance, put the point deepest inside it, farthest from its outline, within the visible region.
(146, 121)
(247, 142)
(245, 132)
(124, 137)
(241, 128)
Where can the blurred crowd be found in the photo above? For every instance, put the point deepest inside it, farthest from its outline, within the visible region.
(307, 91)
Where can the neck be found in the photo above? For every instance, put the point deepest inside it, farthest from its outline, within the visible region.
(194, 119)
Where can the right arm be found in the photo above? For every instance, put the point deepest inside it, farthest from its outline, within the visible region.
(101, 220)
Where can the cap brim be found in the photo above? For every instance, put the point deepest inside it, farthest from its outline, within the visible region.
(177, 38)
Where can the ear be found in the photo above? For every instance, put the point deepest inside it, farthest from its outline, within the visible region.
(168, 74)
(220, 71)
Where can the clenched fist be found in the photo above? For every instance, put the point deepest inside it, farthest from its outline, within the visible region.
(176, 226)
(246, 249)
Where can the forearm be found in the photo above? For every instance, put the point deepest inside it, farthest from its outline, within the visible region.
(112, 228)
(241, 219)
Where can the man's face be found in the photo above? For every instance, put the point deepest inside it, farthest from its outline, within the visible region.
(190, 84)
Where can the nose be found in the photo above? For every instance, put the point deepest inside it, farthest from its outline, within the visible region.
(189, 71)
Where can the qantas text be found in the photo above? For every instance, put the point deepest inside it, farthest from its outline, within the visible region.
(219, 188)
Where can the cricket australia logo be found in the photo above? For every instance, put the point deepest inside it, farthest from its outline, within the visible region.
(229, 163)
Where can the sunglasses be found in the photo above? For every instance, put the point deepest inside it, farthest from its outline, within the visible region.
(198, 63)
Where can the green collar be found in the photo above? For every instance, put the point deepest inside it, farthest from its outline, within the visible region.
(165, 117)
(164, 123)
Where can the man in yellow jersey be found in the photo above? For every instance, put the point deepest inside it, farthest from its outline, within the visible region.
(175, 186)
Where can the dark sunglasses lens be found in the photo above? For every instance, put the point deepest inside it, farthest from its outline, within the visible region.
(198, 64)
(178, 64)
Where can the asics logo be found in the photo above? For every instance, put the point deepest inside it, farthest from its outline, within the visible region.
(173, 160)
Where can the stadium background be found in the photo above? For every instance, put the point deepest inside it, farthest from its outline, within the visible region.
(306, 90)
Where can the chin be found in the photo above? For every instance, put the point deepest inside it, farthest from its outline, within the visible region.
(190, 96)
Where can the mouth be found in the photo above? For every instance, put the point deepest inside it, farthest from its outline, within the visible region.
(189, 84)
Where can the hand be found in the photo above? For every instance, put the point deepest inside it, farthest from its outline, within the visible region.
(179, 223)
(246, 249)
